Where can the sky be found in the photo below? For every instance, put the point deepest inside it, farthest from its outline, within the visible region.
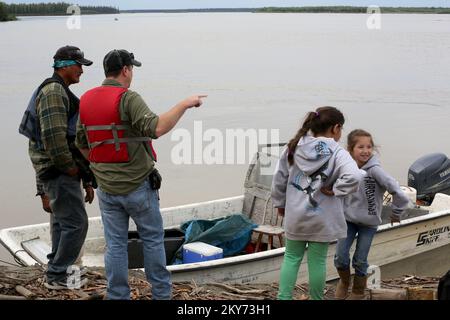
(191, 4)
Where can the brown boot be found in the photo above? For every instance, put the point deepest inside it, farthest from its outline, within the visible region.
(343, 284)
(359, 285)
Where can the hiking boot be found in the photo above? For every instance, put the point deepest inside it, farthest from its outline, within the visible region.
(65, 284)
(359, 285)
(83, 271)
(343, 284)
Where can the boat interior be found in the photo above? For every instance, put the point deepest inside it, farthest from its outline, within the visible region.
(255, 204)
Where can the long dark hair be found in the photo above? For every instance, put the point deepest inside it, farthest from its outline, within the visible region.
(318, 121)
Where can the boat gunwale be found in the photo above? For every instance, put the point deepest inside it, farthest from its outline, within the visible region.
(246, 258)
(280, 251)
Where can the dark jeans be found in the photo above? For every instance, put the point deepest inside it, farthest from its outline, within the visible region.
(363, 243)
(69, 224)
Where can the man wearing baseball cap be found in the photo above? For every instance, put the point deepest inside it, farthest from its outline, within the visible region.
(50, 124)
(115, 132)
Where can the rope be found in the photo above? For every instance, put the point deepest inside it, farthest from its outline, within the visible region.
(17, 260)
(11, 264)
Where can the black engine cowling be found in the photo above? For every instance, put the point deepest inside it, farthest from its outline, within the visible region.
(429, 175)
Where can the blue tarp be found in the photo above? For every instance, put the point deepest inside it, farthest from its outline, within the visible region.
(231, 233)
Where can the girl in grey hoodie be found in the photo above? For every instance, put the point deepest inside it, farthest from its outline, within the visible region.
(312, 176)
(363, 214)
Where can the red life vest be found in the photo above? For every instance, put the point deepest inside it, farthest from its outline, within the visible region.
(100, 116)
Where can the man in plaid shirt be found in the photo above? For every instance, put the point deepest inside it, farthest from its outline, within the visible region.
(58, 164)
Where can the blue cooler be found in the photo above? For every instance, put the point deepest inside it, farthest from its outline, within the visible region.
(200, 251)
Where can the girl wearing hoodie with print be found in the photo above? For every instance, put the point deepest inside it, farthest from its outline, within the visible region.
(363, 214)
(312, 176)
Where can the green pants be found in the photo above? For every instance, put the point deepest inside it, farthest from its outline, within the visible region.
(317, 268)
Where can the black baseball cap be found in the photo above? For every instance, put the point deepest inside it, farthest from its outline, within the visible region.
(117, 59)
(71, 53)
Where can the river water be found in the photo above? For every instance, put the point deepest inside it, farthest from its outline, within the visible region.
(261, 72)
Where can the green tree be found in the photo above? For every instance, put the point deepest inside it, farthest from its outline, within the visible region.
(3, 12)
(55, 8)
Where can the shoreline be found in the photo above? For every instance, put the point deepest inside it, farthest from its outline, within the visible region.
(27, 283)
(309, 9)
(327, 10)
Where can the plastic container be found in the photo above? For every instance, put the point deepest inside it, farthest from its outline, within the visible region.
(173, 239)
(411, 193)
(200, 251)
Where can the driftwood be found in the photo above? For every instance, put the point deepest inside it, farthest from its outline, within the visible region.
(414, 287)
(25, 292)
(388, 294)
(11, 297)
(416, 293)
(22, 283)
(230, 288)
(419, 293)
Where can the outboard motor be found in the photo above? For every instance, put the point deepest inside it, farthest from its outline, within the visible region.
(429, 175)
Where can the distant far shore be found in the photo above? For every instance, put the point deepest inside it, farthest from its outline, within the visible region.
(319, 9)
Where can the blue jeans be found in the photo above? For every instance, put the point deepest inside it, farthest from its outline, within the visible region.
(363, 243)
(142, 205)
(69, 224)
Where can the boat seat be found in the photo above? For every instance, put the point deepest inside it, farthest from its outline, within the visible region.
(270, 231)
(258, 205)
(37, 249)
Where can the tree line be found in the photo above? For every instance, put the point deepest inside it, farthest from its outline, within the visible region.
(350, 9)
(188, 10)
(4, 13)
(54, 8)
(9, 11)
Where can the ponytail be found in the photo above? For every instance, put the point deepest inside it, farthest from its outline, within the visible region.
(318, 121)
(302, 132)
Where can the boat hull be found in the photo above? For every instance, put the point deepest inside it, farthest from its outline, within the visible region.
(391, 244)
